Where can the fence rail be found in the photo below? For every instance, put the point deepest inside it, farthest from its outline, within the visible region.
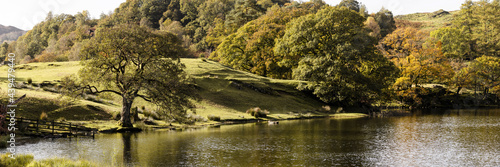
(42, 128)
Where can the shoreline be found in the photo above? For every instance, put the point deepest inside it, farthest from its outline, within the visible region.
(182, 127)
(255, 120)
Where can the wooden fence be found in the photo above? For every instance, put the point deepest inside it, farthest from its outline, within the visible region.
(53, 129)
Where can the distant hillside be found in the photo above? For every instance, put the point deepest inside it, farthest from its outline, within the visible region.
(430, 21)
(10, 33)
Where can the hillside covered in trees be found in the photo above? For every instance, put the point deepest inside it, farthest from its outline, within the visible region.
(347, 55)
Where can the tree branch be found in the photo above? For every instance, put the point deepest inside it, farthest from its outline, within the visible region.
(144, 97)
(94, 90)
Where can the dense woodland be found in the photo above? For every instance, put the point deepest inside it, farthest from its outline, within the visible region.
(348, 55)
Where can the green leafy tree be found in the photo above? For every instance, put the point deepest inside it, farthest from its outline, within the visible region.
(152, 11)
(251, 47)
(485, 71)
(452, 40)
(211, 16)
(334, 53)
(356, 6)
(243, 12)
(82, 18)
(190, 10)
(479, 27)
(487, 32)
(465, 21)
(351, 4)
(127, 13)
(134, 62)
(173, 11)
(385, 20)
(371, 24)
(4, 51)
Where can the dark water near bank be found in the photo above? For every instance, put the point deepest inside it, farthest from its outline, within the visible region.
(437, 138)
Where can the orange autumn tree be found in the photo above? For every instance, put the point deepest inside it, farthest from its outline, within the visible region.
(420, 60)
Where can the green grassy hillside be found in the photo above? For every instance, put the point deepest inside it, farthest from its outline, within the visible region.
(225, 92)
(430, 21)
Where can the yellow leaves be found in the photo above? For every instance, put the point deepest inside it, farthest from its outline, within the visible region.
(402, 83)
(420, 60)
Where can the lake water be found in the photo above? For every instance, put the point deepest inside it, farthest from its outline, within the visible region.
(438, 138)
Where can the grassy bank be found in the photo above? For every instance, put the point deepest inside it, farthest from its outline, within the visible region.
(28, 161)
(226, 94)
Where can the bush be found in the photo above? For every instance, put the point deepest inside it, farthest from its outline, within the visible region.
(257, 112)
(30, 81)
(46, 57)
(44, 116)
(213, 118)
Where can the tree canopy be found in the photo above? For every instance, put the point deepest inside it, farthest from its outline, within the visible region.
(334, 53)
(251, 47)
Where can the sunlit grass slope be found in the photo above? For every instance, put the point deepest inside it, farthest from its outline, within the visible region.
(235, 91)
(225, 92)
(430, 21)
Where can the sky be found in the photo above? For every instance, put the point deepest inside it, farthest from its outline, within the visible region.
(25, 14)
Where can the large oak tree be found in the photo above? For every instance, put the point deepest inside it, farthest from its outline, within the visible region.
(136, 62)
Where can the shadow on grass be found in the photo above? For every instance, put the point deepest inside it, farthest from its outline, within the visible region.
(32, 108)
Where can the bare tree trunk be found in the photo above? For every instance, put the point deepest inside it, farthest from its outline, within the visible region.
(125, 119)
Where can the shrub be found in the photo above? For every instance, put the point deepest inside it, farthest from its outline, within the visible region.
(61, 58)
(46, 57)
(30, 81)
(44, 116)
(257, 112)
(213, 118)
(325, 109)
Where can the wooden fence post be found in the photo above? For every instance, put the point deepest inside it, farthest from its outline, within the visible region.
(52, 127)
(70, 133)
(37, 122)
(20, 123)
